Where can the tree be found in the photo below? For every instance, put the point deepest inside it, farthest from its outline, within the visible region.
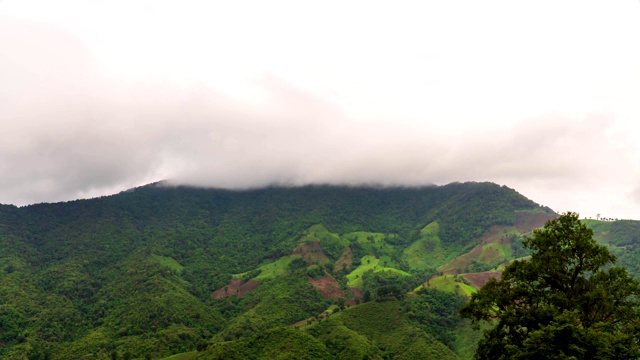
(566, 301)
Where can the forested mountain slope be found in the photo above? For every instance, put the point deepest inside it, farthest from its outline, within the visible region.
(160, 270)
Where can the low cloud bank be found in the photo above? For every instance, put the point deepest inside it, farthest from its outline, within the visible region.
(69, 133)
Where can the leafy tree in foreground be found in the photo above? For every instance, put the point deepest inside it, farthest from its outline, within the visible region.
(565, 302)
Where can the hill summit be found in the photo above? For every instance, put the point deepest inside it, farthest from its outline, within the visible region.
(160, 270)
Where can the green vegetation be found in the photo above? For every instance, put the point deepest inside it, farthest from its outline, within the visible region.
(133, 276)
(427, 251)
(565, 302)
(277, 268)
(371, 263)
(169, 262)
(451, 284)
(377, 330)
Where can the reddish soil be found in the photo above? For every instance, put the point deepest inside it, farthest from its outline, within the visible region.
(312, 253)
(526, 221)
(457, 265)
(345, 260)
(328, 287)
(302, 322)
(357, 294)
(477, 280)
(237, 287)
(493, 235)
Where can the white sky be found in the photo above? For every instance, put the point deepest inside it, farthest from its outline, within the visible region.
(541, 96)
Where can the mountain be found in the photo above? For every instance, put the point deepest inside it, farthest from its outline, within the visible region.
(326, 272)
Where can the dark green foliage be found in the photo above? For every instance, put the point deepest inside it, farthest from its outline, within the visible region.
(469, 209)
(131, 275)
(384, 325)
(566, 302)
(279, 302)
(386, 285)
(278, 343)
(436, 313)
(624, 232)
(517, 247)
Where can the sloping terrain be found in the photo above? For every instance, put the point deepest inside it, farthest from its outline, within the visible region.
(157, 271)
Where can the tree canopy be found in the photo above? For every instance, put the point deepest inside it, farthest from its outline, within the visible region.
(566, 301)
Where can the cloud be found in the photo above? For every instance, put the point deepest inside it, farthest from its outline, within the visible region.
(71, 132)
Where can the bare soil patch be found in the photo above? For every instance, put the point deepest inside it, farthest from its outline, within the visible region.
(356, 294)
(477, 280)
(236, 287)
(345, 261)
(526, 221)
(495, 234)
(312, 253)
(328, 287)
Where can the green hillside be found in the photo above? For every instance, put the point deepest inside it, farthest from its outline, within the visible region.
(322, 272)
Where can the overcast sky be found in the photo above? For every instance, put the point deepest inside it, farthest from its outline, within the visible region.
(542, 96)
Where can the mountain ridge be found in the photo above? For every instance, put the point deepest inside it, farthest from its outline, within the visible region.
(135, 272)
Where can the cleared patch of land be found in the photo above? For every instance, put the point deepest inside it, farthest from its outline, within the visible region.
(274, 269)
(494, 248)
(370, 262)
(328, 287)
(312, 253)
(236, 287)
(169, 262)
(426, 252)
(527, 221)
(450, 284)
(345, 261)
(477, 280)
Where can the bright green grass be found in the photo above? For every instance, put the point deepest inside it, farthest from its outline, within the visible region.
(431, 229)
(274, 269)
(361, 237)
(426, 252)
(370, 262)
(320, 233)
(372, 242)
(169, 262)
(447, 283)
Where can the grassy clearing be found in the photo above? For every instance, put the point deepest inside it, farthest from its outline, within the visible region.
(370, 241)
(427, 252)
(272, 270)
(319, 232)
(448, 284)
(169, 262)
(370, 262)
(364, 237)
(431, 229)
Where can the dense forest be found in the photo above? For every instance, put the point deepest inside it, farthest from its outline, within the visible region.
(316, 272)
